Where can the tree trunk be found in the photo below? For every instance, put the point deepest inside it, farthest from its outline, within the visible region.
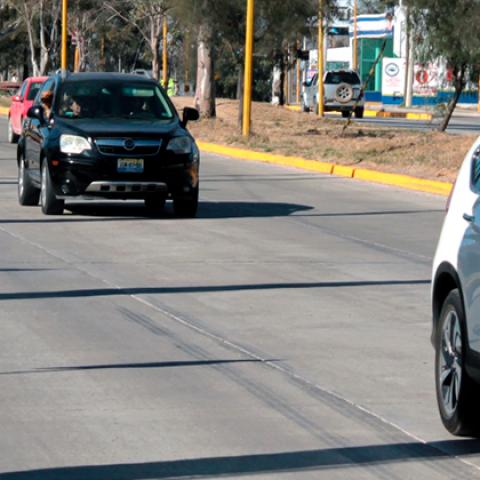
(277, 89)
(205, 88)
(240, 91)
(459, 79)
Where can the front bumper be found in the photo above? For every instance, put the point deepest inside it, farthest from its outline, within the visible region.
(96, 176)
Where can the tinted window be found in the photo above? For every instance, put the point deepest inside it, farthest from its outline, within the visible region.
(21, 92)
(34, 88)
(335, 78)
(48, 85)
(105, 99)
(476, 169)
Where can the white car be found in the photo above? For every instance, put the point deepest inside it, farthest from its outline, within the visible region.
(456, 304)
(342, 90)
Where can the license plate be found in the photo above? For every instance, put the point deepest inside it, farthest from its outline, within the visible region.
(130, 165)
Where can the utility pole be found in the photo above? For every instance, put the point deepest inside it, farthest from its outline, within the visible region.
(410, 66)
(321, 35)
(355, 35)
(248, 76)
(64, 34)
(165, 53)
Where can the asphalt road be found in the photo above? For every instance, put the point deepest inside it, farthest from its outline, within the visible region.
(461, 123)
(282, 334)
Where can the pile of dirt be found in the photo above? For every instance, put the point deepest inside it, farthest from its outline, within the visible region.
(426, 154)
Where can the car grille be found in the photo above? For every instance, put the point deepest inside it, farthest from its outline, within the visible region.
(128, 147)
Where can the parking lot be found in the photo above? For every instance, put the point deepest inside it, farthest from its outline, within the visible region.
(284, 333)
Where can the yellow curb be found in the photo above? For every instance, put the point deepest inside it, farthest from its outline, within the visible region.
(392, 179)
(4, 111)
(294, 108)
(298, 162)
(343, 171)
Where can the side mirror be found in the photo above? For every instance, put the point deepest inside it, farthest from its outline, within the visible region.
(16, 98)
(190, 115)
(37, 112)
(305, 84)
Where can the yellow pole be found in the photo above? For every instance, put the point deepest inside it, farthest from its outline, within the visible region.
(64, 33)
(355, 35)
(247, 93)
(165, 53)
(321, 62)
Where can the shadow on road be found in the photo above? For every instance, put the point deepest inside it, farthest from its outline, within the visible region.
(121, 366)
(310, 460)
(104, 292)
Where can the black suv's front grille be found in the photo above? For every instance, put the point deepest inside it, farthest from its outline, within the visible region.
(126, 147)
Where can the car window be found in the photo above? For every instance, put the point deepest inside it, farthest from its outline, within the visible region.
(102, 99)
(21, 92)
(335, 78)
(476, 170)
(34, 88)
(47, 86)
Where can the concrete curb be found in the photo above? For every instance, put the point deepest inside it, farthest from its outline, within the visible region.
(392, 179)
(380, 114)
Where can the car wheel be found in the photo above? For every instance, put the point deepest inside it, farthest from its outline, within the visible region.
(457, 393)
(51, 205)
(186, 206)
(359, 111)
(344, 93)
(12, 136)
(305, 108)
(345, 113)
(155, 203)
(28, 194)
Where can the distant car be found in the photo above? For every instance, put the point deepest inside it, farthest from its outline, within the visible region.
(145, 73)
(109, 136)
(342, 91)
(21, 103)
(456, 304)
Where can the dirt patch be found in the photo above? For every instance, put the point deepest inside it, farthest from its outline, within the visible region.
(431, 155)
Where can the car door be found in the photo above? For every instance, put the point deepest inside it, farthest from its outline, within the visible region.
(16, 109)
(469, 255)
(35, 132)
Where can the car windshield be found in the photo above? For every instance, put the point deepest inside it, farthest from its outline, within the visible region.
(335, 78)
(105, 99)
(34, 88)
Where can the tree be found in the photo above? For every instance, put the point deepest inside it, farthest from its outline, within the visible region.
(450, 34)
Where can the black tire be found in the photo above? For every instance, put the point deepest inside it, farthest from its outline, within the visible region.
(28, 194)
(155, 204)
(359, 112)
(305, 108)
(11, 135)
(345, 113)
(457, 394)
(186, 206)
(51, 205)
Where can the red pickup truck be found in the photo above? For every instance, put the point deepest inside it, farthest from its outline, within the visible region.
(21, 102)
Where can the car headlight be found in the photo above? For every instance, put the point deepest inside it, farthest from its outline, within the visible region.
(180, 145)
(74, 144)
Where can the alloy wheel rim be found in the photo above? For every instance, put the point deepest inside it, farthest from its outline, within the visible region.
(450, 363)
(21, 173)
(43, 189)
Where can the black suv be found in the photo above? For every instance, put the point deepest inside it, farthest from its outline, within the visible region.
(111, 136)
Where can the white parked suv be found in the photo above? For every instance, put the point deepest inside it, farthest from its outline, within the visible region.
(456, 304)
(342, 90)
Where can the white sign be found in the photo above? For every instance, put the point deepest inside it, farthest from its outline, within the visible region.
(393, 77)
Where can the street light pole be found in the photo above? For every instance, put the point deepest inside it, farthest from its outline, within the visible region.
(248, 78)
(64, 34)
(165, 53)
(321, 35)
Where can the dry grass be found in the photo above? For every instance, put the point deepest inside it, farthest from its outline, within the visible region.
(430, 155)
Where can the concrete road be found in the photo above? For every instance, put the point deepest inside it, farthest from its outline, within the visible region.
(282, 334)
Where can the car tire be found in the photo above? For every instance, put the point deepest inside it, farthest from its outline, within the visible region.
(51, 205)
(28, 194)
(345, 114)
(155, 203)
(457, 394)
(305, 108)
(12, 136)
(186, 206)
(359, 112)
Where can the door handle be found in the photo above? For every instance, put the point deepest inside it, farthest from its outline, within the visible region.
(469, 218)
